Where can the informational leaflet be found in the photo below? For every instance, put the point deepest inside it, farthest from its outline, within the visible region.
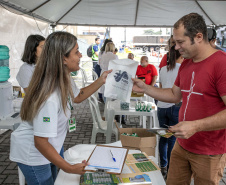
(119, 83)
(111, 179)
(140, 163)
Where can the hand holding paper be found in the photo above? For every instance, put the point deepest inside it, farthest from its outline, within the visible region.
(138, 85)
(105, 74)
(78, 168)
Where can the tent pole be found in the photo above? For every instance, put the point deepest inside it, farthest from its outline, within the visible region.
(204, 12)
(135, 21)
(125, 35)
(68, 11)
(39, 6)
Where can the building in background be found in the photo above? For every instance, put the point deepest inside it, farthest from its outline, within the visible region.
(86, 34)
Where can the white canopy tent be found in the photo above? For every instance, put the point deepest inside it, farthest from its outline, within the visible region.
(14, 29)
(131, 13)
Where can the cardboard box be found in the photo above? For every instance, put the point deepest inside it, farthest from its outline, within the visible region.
(146, 141)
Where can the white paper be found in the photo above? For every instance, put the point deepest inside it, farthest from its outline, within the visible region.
(102, 159)
(157, 128)
(118, 83)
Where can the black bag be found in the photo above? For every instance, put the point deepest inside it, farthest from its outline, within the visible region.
(89, 51)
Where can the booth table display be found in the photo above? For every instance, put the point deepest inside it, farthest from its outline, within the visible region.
(113, 108)
(80, 152)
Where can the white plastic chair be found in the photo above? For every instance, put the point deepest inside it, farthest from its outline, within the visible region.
(85, 78)
(99, 125)
(21, 177)
(94, 75)
(86, 81)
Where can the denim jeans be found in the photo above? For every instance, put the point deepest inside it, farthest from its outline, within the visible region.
(39, 175)
(42, 174)
(96, 68)
(167, 116)
(62, 152)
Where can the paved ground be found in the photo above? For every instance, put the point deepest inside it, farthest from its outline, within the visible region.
(8, 169)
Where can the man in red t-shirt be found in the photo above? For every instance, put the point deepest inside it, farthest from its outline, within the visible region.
(201, 84)
(147, 71)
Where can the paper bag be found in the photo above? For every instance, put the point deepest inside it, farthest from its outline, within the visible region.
(118, 83)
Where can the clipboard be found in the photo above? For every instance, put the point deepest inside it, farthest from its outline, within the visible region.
(106, 169)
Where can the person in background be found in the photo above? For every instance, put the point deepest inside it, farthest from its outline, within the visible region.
(95, 54)
(168, 112)
(106, 57)
(165, 58)
(130, 56)
(102, 51)
(147, 71)
(46, 111)
(200, 148)
(116, 51)
(32, 51)
(212, 36)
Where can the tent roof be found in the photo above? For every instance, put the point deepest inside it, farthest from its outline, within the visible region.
(131, 13)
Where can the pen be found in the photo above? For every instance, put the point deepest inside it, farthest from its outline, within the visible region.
(167, 126)
(113, 157)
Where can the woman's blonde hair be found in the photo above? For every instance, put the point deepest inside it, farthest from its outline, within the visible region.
(110, 47)
(50, 74)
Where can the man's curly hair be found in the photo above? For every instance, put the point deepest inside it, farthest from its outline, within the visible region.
(193, 23)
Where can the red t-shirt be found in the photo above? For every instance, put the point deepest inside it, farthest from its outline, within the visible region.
(202, 85)
(147, 72)
(163, 61)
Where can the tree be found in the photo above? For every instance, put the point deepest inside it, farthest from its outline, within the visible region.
(149, 32)
(152, 32)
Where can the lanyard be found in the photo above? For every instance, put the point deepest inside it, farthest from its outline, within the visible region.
(69, 101)
(71, 121)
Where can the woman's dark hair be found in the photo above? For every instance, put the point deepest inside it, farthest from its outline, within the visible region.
(212, 34)
(31, 44)
(173, 56)
(50, 74)
(168, 42)
(105, 43)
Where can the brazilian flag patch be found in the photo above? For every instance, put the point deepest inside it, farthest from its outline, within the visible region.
(46, 119)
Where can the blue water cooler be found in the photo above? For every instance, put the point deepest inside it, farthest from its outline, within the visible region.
(4, 63)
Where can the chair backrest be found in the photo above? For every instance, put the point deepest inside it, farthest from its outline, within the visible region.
(94, 74)
(95, 110)
(95, 77)
(84, 76)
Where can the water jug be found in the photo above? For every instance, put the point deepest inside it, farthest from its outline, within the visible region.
(4, 63)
